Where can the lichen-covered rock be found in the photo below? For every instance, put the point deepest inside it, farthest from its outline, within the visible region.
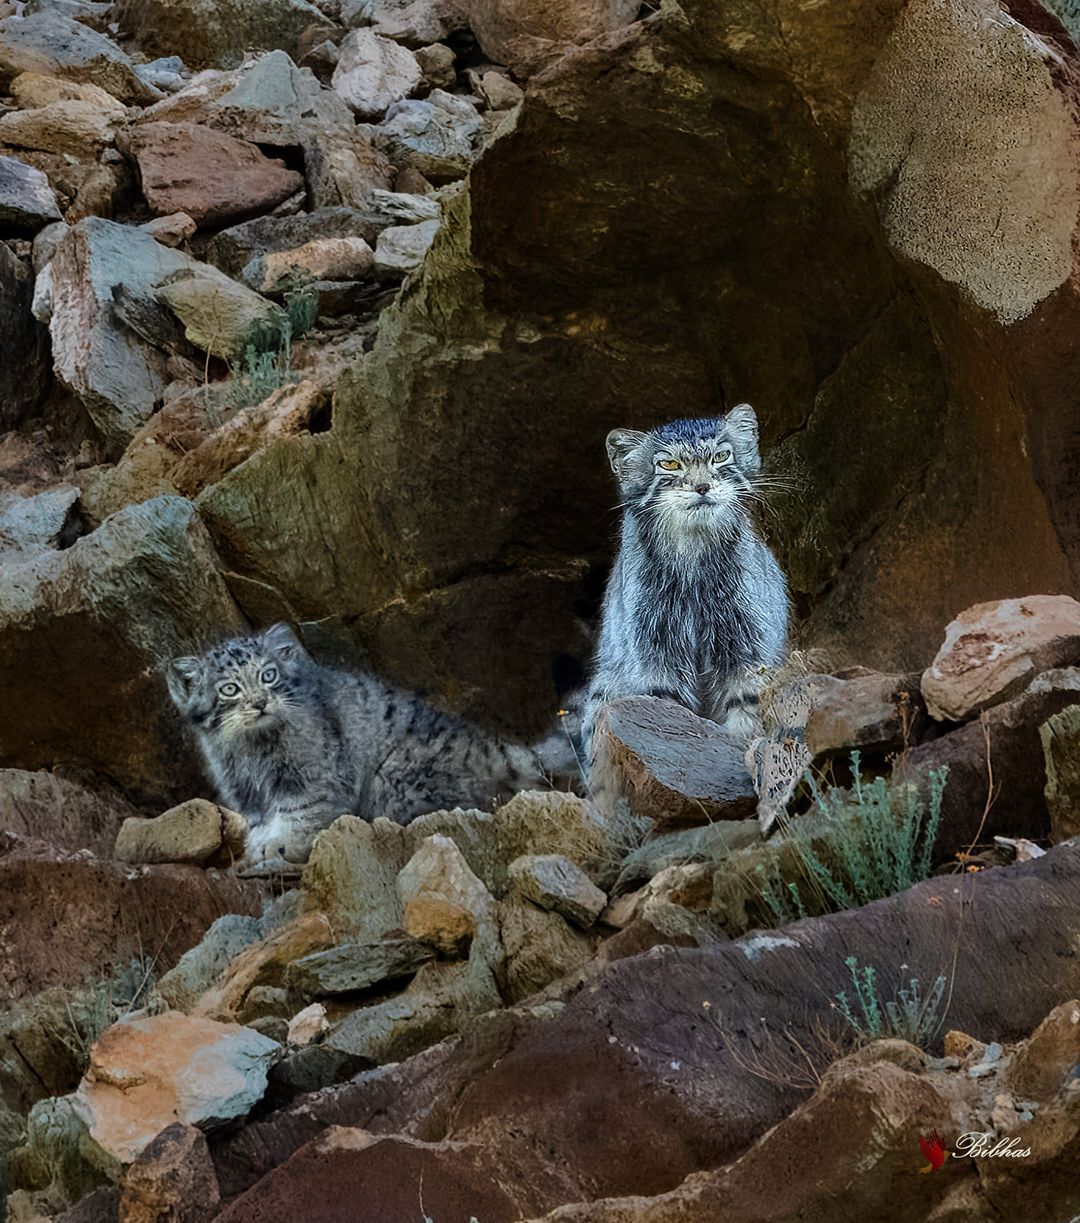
(220, 316)
(438, 136)
(1060, 735)
(992, 652)
(559, 885)
(443, 903)
(541, 947)
(194, 831)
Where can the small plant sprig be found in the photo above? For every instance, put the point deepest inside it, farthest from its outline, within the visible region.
(908, 1015)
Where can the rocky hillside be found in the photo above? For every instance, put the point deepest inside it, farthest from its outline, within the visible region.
(320, 312)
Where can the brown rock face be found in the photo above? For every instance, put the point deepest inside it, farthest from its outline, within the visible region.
(172, 1179)
(211, 176)
(67, 916)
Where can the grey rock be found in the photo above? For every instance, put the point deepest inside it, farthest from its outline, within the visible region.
(401, 248)
(872, 712)
(712, 844)
(27, 202)
(199, 968)
(437, 64)
(372, 73)
(24, 371)
(48, 520)
(439, 135)
(233, 249)
(356, 966)
(1060, 736)
(559, 885)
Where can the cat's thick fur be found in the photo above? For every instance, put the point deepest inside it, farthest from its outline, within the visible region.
(696, 605)
(292, 745)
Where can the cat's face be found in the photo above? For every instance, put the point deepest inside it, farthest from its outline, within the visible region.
(243, 686)
(690, 476)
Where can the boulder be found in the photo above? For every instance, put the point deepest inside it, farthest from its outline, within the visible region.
(673, 766)
(373, 72)
(558, 885)
(498, 90)
(200, 966)
(992, 652)
(172, 1178)
(711, 844)
(195, 831)
(25, 377)
(334, 259)
(444, 904)
(413, 23)
(220, 316)
(171, 230)
(350, 967)
(108, 613)
(69, 812)
(147, 1073)
(352, 873)
(77, 128)
(518, 31)
(51, 43)
(867, 713)
(541, 947)
(211, 176)
(216, 32)
(401, 248)
(235, 248)
(27, 202)
(437, 64)
(1049, 1058)
(48, 520)
(69, 915)
(1060, 735)
(438, 136)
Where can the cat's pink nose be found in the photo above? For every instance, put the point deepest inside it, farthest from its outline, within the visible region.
(701, 488)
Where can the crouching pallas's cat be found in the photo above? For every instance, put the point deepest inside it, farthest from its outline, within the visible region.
(292, 745)
(696, 605)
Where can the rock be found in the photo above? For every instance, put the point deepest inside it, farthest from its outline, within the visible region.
(352, 873)
(198, 968)
(672, 765)
(147, 1073)
(401, 248)
(540, 948)
(61, 810)
(308, 1025)
(49, 520)
(173, 1178)
(444, 903)
(1046, 1061)
(349, 967)
(68, 915)
(165, 73)
(993, 650)
(712, 844)
(109, 612)
(216, 32)
(437, 64)
(559, 885)
(264, 963)
(439, 136)
(233, 249)
(414, 23)
(171, 230)
(321, 259)
(211, 176)
(1060, 736)
(220, 316)
(518, 30)
(35, 90)
(27, 202)
(499, 91)
(25, 377)
(78, 128)
(1009, 734)
(193, 832)
(53, 44)
(372, 73)
(869, 713)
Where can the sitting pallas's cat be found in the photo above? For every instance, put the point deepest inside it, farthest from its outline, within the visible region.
(696, 605)
(292, 745)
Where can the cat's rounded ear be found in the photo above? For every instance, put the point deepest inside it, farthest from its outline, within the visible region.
(742, 425)
(181, 675)
(283, 641)
(621, 444)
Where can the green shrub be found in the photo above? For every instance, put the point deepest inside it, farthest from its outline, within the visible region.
(907, 1015)
(266, 362)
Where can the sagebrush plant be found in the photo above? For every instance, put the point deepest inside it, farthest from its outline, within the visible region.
(909, 1014)
(868, 843)
(266, 362)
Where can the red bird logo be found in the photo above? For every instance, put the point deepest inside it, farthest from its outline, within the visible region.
(934, 1150)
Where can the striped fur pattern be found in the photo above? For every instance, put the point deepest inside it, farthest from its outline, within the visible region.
(696, 606)
(292, 745)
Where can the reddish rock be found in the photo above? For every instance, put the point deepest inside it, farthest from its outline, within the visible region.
(67, 915)
(211, 176)
(62, 810)
(172, 1179)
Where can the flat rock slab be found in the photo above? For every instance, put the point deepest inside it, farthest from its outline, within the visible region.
(558, 885)
(27, 201)
(350, 967)
(673, 766)
(676, 1077)
(992, 651)
(870, 713)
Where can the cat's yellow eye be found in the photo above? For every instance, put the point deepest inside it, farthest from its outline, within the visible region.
(669, 464)
(723, 456)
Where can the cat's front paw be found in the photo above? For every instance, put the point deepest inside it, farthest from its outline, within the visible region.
(266, 850)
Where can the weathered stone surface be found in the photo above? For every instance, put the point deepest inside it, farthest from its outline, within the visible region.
(172, 1178)
(27, 202)
(439, 136)
(107, 613)
(220, 316)
(498, 90)
(47, 520)
(1046, 1061)
(53, 44)
(520, 30)
(170, 230)
(401, 248)
(540, 948)
(992, 651)
(78, 128)
(673, 766)
(349, 967)
(233, 249)
(211, 176)
(307, 1026)
(213, 32)
(413, 23)
(147, 1073)
(443, 903)
(194, 831)
(67, 914)
(62, 810)
(711, 844)
(23, 379)
(870, 713)
(1060, 735)
(437, 64)
(372, 73)
(352, 873)
(1005, 740)
(199, 967)
(321, 259)
(555, 883)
